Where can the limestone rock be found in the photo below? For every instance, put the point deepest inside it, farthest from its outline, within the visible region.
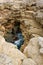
(30, 14)
(33, 51)
(34, 35)
(4, 1)
(9, 54)
(39, 17)
(41, 41)
(2, 30)
(28, 61)
(39, 3)
(29, 2)
(41, 50)
(1, 33)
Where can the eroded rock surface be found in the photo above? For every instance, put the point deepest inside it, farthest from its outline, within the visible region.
(34, 50)
(30, 15)
(9, 54)
(28, 62)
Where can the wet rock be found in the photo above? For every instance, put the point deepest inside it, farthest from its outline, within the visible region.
(20, 40)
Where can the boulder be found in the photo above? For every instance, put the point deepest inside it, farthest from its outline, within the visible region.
(34, 50)
(9, 54)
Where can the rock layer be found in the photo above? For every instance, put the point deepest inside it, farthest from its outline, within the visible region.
(30, 15)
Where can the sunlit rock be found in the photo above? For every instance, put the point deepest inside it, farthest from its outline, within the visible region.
(40, 41)
(9, 54)
(29, 61)
(2, 30)
(41, 51)
(39, 17)
(34, 51)
(39, 3)
(4, 1)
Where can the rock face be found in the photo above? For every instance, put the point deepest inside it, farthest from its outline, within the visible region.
(28, 62)
(28, 12)
(30, 15)
(4, 1)
(34, 50)
(9, 54)
(2, 30)
(39, 3)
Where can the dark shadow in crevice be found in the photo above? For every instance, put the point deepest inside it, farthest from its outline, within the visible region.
(17, 37)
